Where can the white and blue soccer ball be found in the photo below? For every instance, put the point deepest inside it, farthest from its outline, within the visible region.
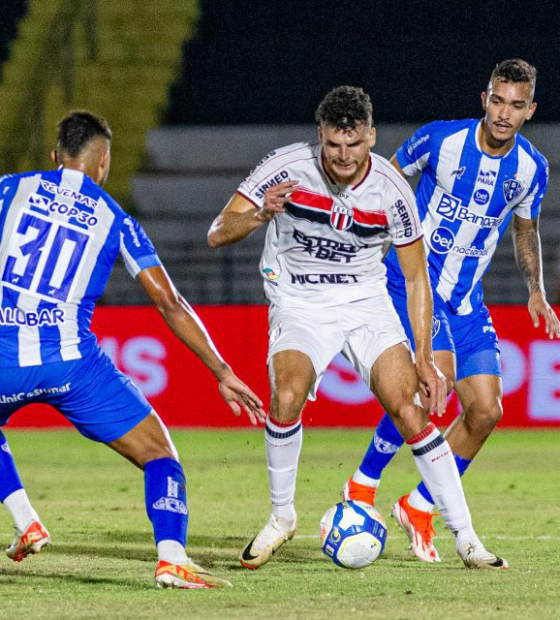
(353, 534)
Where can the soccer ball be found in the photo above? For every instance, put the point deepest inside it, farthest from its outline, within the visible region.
(353, 534)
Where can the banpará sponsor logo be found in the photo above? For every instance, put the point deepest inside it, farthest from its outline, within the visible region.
(452, 209)
(326, 249)
(275, 180)
(442, 241)
(324, 278)
(47, 316)
(66, 192)
(6, 399)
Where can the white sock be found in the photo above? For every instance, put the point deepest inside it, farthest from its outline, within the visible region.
(418, 501)
(172, 551)
(438, 469)
(361, 478)
(283, 445)
(465, 538)
(21, 509)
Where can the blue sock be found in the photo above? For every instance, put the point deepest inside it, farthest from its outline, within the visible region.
(462, 465)
(383, 447)
(9, 477)
(166, 499)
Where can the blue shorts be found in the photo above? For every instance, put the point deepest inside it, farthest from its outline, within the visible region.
(471, 337)
(101, 402)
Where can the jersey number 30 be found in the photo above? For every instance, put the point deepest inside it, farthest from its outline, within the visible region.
(44, 257)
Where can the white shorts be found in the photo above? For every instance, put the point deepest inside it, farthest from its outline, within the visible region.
(362, 330)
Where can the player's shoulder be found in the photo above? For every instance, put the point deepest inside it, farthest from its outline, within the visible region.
(439, 130)
(289, 154)
(531, 150)
(384, 174)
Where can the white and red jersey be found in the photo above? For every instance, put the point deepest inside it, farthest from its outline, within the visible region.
(326, 249)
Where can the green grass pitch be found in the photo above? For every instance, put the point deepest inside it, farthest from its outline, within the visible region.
(102, 561)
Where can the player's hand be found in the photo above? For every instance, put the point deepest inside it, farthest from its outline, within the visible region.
(236, 395)
(538, 306)
(432, 386)
(275, 199)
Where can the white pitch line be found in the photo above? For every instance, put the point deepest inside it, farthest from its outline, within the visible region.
(443, 537)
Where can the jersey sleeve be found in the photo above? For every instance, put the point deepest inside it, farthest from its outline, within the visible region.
(136, 249)
(414, 153)
(403, 218)
(270, 171)
(530, 206)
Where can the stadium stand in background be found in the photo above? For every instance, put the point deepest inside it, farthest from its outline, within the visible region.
(117, 59)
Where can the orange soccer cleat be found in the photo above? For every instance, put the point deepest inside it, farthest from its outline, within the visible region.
(358, 492)
(418, 526)
(188, 575)
(32, 540)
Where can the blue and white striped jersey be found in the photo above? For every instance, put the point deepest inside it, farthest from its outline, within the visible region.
(466, 199)
(60, 235)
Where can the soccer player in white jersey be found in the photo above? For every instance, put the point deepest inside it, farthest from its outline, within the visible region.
(60, 234)
(476, 176)
(330, 206)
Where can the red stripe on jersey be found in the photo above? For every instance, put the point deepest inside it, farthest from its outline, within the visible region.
(370, 218)
(309, 199)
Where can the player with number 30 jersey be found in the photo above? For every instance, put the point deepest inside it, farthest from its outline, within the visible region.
(60, 234)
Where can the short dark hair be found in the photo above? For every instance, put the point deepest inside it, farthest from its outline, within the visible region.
(79, 127)
(344, 108)
(515, 70)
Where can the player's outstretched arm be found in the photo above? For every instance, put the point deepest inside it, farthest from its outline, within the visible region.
(527, 244)
(240, 217)
(186, 325)
(412, 260)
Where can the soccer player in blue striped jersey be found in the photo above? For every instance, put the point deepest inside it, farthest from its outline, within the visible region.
(60, 234)
(476, 176)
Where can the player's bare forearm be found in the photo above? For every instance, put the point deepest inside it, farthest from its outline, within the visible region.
(412, 260)
(527, 245)
(187, 326)
(420, 308)
(230, 227)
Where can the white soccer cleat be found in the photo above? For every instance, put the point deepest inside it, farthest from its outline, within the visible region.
(418, 526)
(274, 534)
(32, 540)
(474, 555)
(186, 576)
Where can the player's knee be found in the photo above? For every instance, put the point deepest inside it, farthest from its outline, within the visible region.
(407, 418)
(287, 404)
(483, 418)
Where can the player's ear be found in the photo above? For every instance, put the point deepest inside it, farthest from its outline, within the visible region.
(531, 111)
(320, 133)
(54, 157)
(372, 137)
(484, 99)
